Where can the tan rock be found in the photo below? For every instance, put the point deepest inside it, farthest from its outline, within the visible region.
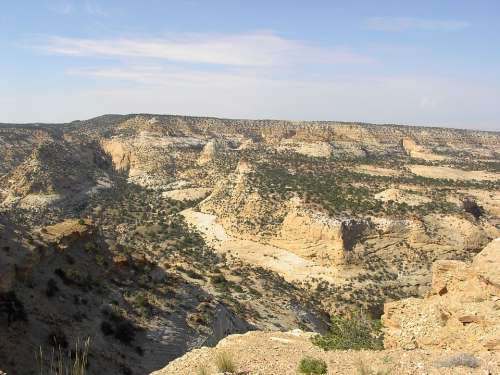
(460, 313)
(208, 154)
(486, 263)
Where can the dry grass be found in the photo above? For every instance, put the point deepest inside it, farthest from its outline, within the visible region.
(61, 362)
(363, 369)
(224, 362)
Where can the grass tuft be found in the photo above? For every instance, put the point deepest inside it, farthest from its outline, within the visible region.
(64, 362)
(225, 363)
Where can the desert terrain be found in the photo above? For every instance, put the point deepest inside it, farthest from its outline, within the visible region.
(157, 236)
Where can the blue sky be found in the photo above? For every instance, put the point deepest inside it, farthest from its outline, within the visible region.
(412, 62)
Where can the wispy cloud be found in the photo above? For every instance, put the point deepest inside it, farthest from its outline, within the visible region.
(94, 9)
(251, 49)
(171, 76)
(71, 7)
(397, 24)
(64, 7)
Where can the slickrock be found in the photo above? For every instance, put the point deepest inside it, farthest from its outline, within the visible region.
(462, 311)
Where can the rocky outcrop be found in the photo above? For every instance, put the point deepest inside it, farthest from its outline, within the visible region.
(209, 153)
(64, 234)
(462, 311)
(414, 150)
(315, 149)
(317, 235)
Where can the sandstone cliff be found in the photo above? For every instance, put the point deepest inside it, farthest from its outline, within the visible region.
(462, 311)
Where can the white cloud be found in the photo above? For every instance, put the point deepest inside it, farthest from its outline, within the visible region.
(397, 24)
(251, 49)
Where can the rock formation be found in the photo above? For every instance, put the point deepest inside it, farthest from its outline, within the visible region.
(314, 234)
(209, 153)
(462, 311)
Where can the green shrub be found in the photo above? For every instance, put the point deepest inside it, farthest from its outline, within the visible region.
(125, 332)
(356, 331)
(312, 366)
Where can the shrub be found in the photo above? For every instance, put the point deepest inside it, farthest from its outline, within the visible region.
(457, 360)
(356, 331)
(125, 332)
(12, 307)
(52, 288)
(224, 362)
(107, 328)
(312, 366)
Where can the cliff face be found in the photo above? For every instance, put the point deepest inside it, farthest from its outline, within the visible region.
(462, 311)
(315, 235)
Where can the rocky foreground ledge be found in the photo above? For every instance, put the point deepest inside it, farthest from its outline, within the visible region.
(454, 330)
(266, 353)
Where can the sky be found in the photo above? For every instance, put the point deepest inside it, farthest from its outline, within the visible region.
(426, 62)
